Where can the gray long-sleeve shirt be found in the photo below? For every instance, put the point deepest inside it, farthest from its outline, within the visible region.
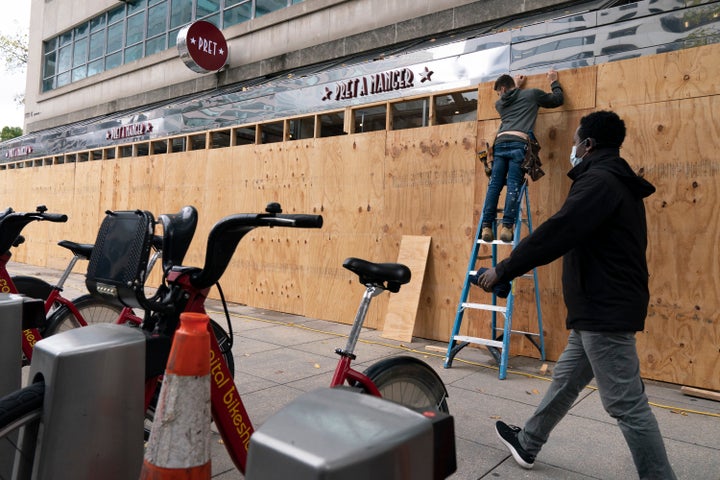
(518, 108)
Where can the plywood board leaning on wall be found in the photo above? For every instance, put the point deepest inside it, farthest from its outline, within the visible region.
(403, 305)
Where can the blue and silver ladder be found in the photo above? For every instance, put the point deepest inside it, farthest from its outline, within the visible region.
(499, 343)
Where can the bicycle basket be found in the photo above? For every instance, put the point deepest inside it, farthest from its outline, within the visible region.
(117, 270)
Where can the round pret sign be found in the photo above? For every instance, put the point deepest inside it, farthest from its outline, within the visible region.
(202, 47)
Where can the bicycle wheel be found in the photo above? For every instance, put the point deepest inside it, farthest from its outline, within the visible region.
(20, 414)
(223, 340)
(409, 382)
(92, 310)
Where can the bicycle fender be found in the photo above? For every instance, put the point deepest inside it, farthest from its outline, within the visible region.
(402, 360)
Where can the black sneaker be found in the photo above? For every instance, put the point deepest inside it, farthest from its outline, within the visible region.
(508, 435)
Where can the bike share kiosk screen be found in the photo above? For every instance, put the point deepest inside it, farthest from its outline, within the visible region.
(119, 258)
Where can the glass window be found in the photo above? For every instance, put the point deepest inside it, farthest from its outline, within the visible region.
(172, 37)
(79, 73)
(141, 149)
(63, 79)
(64, 57)
(95, 67)
(177, 144)
(180, 13)
(113, 61)
(81, 31)
(65, 38)
(157, 19)
(207, 7)
(159, 146)
(80, 53)
(133, 53)
(456, 107)
(97, 45)
(245, 136)
(238, 14)
(263, 7)
(136, 6)
(109, 153)
(197, 142)
(271, 132)
(155, 45)
(332, 124)
(125, 151)
(220, 139)
(114, 37)
(116, 15)
(51, 44)
(410, 114)
(370, 119)
(49, 66)
(135, 29)
(301, 128)
(97, 24)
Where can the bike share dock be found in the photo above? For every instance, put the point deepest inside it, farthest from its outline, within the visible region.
(280, 357)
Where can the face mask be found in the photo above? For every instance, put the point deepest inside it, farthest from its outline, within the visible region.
(574, 160)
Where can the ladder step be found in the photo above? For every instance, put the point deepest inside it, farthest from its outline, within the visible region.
(495, 242)
(485, 306)
(481, 341)
(521, 332)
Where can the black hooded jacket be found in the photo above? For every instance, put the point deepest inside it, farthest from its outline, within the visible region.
(601, 232)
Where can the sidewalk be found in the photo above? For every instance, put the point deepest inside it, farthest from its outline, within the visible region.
(279, 356)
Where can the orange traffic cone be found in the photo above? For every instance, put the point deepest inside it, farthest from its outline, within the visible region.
(179, 444)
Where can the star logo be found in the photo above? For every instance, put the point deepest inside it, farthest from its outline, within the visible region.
(426, 75)
(328, 94)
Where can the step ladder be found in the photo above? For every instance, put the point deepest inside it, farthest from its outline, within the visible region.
(499, 343)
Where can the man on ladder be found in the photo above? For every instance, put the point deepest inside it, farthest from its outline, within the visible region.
(601, 233)
(518, 111)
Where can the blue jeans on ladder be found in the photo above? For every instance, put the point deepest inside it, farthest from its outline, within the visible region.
(507, 159)
(611, 358)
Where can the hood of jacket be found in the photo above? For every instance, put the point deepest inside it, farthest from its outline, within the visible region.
(608, 159)
(509, 97)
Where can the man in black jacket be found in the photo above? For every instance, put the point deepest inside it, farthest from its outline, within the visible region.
(601, 233)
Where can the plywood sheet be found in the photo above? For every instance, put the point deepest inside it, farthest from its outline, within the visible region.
(403, 305)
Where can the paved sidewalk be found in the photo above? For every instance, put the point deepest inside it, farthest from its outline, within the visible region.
(279, 357)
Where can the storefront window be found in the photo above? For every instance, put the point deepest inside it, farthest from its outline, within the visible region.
(271, 132)
(456, 107)
(245, 135)
(332, 124)
(410, 114)
(299, 128)
(369, 119)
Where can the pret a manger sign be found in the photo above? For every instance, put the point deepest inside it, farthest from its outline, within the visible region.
(202, 47)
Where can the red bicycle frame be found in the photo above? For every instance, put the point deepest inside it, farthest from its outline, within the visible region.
(228, 410)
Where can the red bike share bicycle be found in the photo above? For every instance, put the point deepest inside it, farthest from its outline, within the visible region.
(126, 235)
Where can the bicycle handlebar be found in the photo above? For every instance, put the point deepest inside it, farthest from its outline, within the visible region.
(12, 223)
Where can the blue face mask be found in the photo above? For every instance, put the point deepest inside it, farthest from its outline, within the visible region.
(574, 159)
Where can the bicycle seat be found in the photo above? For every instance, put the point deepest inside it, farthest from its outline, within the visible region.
(83, 250)
(388, 276)
(178, 231)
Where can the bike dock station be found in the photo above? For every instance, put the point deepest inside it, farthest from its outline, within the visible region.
(92, 411)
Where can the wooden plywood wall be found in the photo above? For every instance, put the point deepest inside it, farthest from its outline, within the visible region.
(374, 188)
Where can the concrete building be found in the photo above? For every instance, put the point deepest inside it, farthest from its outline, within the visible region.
(94, 66)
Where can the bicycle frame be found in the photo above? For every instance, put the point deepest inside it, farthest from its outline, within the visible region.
(228, 410)
(30, 336)
(343, 371)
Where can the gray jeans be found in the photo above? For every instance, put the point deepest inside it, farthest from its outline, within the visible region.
(611, 358)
